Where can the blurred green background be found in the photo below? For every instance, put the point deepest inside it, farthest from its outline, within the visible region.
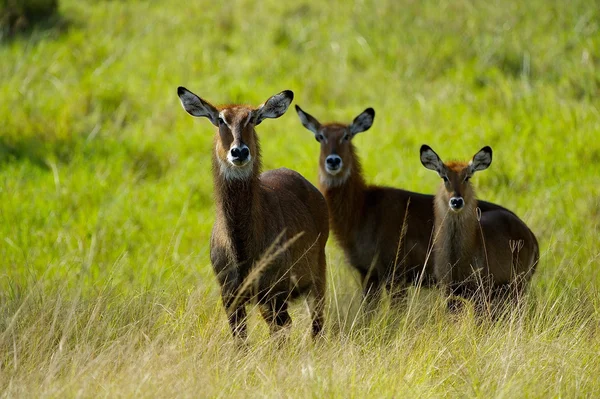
(103, 174)
(105, 181)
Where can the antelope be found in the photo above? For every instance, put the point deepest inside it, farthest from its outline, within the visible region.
(384, 232)
(483, 256)
(254, 212)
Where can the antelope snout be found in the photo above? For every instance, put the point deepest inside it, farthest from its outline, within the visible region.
(239, 155)
(333, 164)
(456, 203)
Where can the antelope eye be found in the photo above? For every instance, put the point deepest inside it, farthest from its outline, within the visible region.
(445, 178)
(221, 121)
(346, 137)
(467, 178)
(319, 137)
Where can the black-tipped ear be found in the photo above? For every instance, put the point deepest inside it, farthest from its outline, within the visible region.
(431, 160)
(482, 160)
(309, 121)
(196, 106)
(362, 122)
(274, 107)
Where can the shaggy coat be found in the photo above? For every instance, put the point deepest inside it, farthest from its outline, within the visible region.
(385, 233)
(485, 255)
(268, 240)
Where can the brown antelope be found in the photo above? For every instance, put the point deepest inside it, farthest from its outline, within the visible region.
(477, 255)
(255, 211)
(384, 232)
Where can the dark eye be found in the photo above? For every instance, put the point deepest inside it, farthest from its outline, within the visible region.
(346, 137)
(319, 137)
(445, 178)
(467, 178)
(221, 121)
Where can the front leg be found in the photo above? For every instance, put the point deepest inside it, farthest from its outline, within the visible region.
(396, 284)
(275, 312)
(234, 301)
(236, 315)
(456, 294)
(397, 291)
(372, 291)
(273, 295)
(453, 290)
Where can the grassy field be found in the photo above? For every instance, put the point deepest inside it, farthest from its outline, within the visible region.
(106, 201)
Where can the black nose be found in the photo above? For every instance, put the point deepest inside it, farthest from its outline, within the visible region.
(240, 153)
(333, 161)
(457, 202)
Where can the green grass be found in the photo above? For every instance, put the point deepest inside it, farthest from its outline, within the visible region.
(106, 201)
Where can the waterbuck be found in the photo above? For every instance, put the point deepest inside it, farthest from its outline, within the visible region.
(384, 232)
(484, 256)
(268, 239)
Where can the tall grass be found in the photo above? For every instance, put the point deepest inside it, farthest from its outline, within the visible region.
(106, 203)
(177, 343)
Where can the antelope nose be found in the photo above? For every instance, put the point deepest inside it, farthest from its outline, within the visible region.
(240, 154)
(333, 161)
(457, 203)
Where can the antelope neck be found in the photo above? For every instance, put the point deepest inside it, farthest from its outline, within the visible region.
(237, 203)
(345, 202)
(457, 233)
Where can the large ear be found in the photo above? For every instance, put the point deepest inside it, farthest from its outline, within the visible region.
(481, 160)
(362, 122)
(431, 160)
(309, 121)
(274, 107)
(196, 106)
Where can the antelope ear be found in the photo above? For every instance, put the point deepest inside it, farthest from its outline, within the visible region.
(362, 122)
(431, 160)
(309, 121)
(196, 106)
(481, 160)
(274, 107)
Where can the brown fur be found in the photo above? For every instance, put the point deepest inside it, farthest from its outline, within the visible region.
(252, 213)
(475, 258)
(368, 221)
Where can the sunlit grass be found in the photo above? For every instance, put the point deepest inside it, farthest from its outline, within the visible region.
(106, 201)
(175, 343)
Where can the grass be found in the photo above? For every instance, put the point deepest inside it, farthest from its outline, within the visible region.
(106, 203)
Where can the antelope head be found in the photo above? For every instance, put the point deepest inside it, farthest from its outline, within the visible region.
(237, 147)
(337, 153)
(456, 189)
